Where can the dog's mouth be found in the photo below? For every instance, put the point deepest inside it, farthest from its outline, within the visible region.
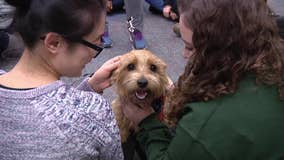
(141, 94)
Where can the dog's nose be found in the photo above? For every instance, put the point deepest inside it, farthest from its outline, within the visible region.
(142, 83)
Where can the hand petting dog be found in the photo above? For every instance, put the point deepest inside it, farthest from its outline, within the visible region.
(101, 78)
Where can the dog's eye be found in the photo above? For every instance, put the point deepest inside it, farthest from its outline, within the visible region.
(153, 68)
(131, 67)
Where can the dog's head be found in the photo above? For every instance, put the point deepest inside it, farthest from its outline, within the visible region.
(141, 77)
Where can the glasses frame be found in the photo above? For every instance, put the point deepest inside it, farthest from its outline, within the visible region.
(95, 47)
(90, 45)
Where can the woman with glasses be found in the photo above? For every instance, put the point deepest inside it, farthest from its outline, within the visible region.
(229, 101)
(41, 117)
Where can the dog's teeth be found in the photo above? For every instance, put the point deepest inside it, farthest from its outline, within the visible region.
(141, 96)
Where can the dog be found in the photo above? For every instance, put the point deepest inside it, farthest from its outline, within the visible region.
(140, 78)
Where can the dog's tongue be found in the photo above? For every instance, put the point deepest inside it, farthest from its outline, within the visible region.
(141, 94)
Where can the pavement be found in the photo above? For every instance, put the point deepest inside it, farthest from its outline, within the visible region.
(160, 40)
(277, 6)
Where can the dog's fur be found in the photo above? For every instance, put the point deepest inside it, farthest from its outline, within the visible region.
(140, 78)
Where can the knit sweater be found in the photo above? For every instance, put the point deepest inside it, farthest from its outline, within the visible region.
(57, 122)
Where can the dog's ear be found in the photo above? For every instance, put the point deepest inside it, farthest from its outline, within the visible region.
(114, 76)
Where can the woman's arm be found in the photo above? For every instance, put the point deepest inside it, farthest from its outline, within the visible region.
(159, 144)
(156, 139)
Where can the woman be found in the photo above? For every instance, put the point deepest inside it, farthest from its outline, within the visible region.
(228, 103)
(42, 117)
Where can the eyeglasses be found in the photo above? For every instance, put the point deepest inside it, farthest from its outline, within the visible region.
(97, 48)
(91, 45)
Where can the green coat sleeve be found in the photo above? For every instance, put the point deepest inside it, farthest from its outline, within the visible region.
(158, 144)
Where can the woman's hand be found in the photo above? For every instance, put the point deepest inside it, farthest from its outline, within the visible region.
(166, 11)
(170, 85)
(173, 15)
(136, 112)
(109, 5)
(101, 78)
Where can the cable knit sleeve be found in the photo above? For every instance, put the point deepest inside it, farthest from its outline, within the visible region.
(85, 86)
(99, 122)
(85, 119)
(111, 144)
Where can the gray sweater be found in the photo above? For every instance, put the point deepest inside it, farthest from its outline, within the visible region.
(57, 122)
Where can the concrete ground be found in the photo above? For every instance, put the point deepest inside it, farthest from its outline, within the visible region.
(277, 6)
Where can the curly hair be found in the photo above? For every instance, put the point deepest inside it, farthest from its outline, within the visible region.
(232, 38)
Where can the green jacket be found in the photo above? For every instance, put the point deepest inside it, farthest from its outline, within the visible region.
(246, 125)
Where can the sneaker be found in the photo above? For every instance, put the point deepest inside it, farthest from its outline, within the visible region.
(106, 40)
(137, 39)
(136, 36)
(176, 29)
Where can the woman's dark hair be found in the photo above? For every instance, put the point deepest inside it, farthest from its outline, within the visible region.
(232, 38)
(71, 18)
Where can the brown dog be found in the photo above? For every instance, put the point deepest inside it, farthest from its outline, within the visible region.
(140, 78)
